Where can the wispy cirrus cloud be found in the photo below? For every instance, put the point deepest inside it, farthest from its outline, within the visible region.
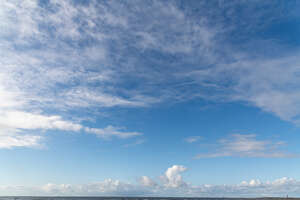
(49, 65)
(135, 143)
(61, 57)
(111, 131)
(247, 145)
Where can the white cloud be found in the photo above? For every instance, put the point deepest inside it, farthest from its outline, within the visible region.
(137, 142)
(146, 181)
(111, 131)
(8, 141)
(82, 97)
(25, 120)
(106, 187)
(7, 99)
(14, 124)
(253, 188)
(192, 139)
(238, 145)
(173, 178)
(270, 84)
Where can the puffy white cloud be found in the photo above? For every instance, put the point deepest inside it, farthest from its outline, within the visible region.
(284, 181)
(254, 183)
(106, 187)
(146, 181)
(246, 145)
(173, 178)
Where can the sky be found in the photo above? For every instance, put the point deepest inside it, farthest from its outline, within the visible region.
(150, 98)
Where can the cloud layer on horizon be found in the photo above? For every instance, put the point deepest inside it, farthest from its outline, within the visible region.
(170, 184)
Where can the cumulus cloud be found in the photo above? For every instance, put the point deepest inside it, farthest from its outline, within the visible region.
(246, 145)
(146, 181)
(173, 178)
(108, 186)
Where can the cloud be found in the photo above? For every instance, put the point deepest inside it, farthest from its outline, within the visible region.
(265, 88)
(63, 58)
(25, 120)
(137, 142)
(238, 145)
(111, 131)
(13, 123)
(146, 181)
(40, 73)
(173, 178)
(82, 97)
(8, 141)
(278, 187)
(192, 139)
(267, 83)
(108, 186)
(148, 187)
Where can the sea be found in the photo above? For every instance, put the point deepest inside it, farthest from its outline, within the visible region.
(133, 198)
(108, 198)
(115, 198)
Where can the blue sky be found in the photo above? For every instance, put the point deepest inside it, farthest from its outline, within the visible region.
(156, 98)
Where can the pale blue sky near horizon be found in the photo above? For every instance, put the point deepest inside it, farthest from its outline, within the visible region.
(183, 98)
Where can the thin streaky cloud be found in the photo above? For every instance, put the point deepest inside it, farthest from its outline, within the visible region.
(135, 143)
(192, 139)
(247, 145)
